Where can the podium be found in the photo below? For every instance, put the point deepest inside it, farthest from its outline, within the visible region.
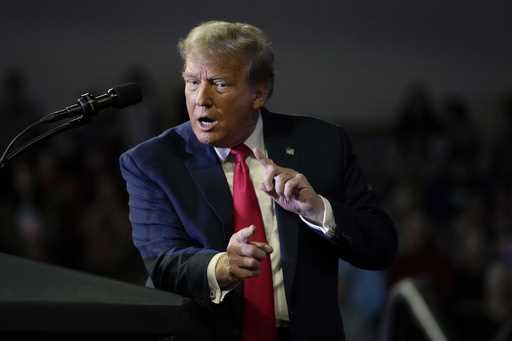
(38, 299)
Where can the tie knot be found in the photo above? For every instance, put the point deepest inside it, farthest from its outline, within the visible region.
(240, 152)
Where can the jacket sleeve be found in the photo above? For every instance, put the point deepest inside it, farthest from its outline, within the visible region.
(174, 261)
(365, 233)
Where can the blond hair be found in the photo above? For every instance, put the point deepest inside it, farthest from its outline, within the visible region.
(244, 42)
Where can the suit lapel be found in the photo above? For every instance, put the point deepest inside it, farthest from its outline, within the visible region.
(206, 171)
(283, 150)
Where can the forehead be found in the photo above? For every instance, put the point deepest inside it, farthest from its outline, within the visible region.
(221, 65)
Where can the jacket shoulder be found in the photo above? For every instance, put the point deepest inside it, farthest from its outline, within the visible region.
(170, 143)
(303, 125)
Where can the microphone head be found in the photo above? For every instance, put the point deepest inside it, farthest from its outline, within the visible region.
(125, 95)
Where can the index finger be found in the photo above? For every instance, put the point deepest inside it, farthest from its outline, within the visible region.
(262, 158)
(263, 246)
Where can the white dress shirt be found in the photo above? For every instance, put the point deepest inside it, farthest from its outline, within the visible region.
(255, 140)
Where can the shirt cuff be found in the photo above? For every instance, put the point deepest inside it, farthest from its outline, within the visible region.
(328, 226)
(216, 293)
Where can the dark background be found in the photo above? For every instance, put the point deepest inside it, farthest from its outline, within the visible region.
(423, 87)
(347, 61)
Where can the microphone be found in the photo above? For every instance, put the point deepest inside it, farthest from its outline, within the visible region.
(119, 97)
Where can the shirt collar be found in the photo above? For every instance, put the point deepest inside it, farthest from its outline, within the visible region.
(255, 140)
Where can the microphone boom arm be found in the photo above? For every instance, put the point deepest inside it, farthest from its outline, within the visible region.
(82, 119)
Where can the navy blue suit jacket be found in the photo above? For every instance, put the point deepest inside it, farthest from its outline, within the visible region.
(181, 214)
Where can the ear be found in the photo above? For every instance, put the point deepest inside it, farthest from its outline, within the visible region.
(260, 96)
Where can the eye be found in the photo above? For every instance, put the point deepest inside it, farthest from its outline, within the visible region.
(191, 83)
(220, 84)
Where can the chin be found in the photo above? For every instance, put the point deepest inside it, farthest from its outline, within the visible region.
(207, 138)
(216, 138)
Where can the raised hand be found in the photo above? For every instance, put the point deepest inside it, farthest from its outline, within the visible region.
(290, 189)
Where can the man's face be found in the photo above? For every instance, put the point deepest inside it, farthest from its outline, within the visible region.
(221, 104)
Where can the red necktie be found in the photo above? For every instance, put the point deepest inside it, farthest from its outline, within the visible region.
(259, 319)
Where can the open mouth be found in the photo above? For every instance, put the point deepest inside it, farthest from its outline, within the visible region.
(207, 123)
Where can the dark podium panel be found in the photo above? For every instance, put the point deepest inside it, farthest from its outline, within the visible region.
(38, 299)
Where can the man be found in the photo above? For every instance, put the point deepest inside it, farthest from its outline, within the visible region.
(247, 212)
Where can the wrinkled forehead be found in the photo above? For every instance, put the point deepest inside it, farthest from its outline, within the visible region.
(198, 61)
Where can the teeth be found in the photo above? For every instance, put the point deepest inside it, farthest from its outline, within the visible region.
(207, 124)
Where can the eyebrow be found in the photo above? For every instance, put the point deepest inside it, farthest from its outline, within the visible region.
(212, 78)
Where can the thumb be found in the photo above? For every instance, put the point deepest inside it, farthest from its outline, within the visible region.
(244, 234)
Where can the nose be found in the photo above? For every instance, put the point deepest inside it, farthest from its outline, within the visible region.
(204, 96)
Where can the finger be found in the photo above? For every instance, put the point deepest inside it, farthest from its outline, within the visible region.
(268, 177)
(261, 157)
(243, 235)
(241, 273)
(263, 246)
(292, 186)
(248, 263)
(280, 181)
(249, 250)
(272, 193)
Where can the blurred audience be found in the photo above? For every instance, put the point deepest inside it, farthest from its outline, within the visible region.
(145, 119)
(362, 294)
(18, 107)
(454, 212)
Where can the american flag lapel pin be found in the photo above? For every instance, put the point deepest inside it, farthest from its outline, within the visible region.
(290, 151)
